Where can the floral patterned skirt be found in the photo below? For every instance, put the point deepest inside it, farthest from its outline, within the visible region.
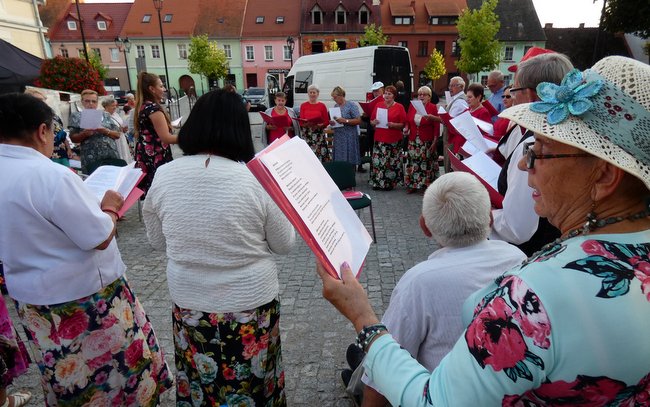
(317, 140)
(15, 359)
(99, 350)
(420, 164)
(386, 171)
(231, 359)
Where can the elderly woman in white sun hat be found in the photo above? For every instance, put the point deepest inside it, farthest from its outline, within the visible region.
(570, 325)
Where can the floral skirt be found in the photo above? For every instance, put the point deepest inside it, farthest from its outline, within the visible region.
(231, 359)
(15, 359)
(386, 169)
(420, 164)
(317, 140)
(98, 350)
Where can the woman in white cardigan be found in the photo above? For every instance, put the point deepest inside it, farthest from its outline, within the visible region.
(220, 230)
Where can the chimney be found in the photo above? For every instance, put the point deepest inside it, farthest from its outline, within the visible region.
(582, 25)
(548, 25)
(413, 4)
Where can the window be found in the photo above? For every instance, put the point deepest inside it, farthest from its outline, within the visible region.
(97, 52)
(507, 55)
(279, 20)
(446, 20)
(268, 53)
(342, 44)
(303, 80)
(72, 25)
(527, 48)
(404, 44)
(259, 20)
(140, 50)
(286, 54)
(115, 55)
(146, 18)
(155, 51)
(80, 53)
(250, 53)
(182, 51)
(227, 50)
(101, 25)
(364, 15)
(507, 80)
(484, 80)
(316, 47)
(455, 49)
(340, 15)
(316, 15)
(403, 20)
(168, 18)
(64, 53)
(423, 48)
(440, 46)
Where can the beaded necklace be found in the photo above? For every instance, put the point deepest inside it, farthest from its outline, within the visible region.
(592, 224)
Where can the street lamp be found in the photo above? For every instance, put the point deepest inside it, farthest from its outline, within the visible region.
(290, 44)
(124, 45)
(158, 4)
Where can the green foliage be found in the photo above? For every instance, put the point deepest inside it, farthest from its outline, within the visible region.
(206, 58)
(372, 36)
(479, 48)
(96, 62)
(435, 67)
(628, 16)
(69, 75)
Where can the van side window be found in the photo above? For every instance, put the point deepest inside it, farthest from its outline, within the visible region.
(303, 80)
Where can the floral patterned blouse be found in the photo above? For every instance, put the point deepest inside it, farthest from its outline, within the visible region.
(570, 326)
(150, 151)
(98, 147)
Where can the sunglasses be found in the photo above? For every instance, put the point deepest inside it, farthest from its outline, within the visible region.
(506, 96)
(531, 156)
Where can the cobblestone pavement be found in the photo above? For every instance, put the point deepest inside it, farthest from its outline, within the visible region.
(314, 335)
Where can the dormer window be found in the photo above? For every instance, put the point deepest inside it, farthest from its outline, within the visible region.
(364, 15)
(168, 18)
(259, 20)
(340, 15)
(403, 20)
(146, 18)
(72, 25)
(443, 20)
(279, 20)
(316, 15)
(101, 25)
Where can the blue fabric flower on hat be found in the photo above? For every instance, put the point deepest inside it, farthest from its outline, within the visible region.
(570, 97)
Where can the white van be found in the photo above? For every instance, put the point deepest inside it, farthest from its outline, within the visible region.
(355, 70)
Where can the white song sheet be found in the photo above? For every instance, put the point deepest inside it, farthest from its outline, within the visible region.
(484, 167)
(465, 125)
(382, 118)
(419, 107)
(319, 203)
(335, 113)
(120, 179)
(91, 119)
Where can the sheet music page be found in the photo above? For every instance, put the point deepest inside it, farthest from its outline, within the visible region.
(319, 203)
(485, 126)
(448, 97)
(335, 113)
(484, 167)
(471, 149)
(464, 124)
(419, 107)
(177, 122)
(120, 179)
(441, 110)
(382, 117)
(91, 119)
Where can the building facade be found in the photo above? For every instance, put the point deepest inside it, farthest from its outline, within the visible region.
(20, 25)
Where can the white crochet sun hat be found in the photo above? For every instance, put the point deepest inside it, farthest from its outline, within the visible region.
(604, 111)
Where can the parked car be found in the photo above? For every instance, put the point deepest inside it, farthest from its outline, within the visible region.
(257, 98)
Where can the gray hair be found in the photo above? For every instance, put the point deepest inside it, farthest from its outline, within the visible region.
(108, 102)
(313, 87)
(459, 80)
(425, 89)
(550, 67)
(496, 75)
(456, 209)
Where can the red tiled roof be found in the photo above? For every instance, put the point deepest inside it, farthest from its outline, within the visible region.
(113, 13)
(184, 17)
(270, 11)
(443, 8)
(328, 7)
(422, 11)
(401, 9)
(220, 18)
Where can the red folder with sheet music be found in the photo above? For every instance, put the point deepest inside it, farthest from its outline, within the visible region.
(462, 165)
(368, 107)
(277, 121)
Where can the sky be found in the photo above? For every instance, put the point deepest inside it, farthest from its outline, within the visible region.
(562, 13)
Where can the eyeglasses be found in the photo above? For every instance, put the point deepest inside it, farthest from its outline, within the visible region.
(531, 156)
(423, 94)
(89, 101)
(506, 96)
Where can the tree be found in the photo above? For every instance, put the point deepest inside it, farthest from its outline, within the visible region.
(435, 67)
(479, 48)
(628, 16)
(96, 62)
(69, 75)
(372, 36)
(206, 58)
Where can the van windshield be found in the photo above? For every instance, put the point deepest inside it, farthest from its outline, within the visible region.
(392, 65)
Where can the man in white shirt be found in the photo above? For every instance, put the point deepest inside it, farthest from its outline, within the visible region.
(517, 222)
(424, 314)
(458, 102)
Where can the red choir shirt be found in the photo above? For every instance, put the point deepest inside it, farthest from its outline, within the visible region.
(429, 130)
(396, 114)
(280, 130)
(311, 111)
(501, 127)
